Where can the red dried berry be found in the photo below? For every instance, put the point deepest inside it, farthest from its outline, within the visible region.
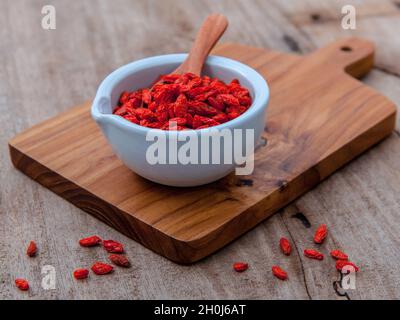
(233, 115)
(113, 246)
(279, 273)
(313, 254)
(240, 266)
(81, 274)
(177, 96)
(100, 268)
(203, 127)
(339, 255)
(340, 264)
(119, 260)
(221, 118)
(32, 249)
(145, 114)
(90, 241)
(132, 118)
(217, 104)
(146, 96)
(22, 284)
(230, 100)
(285, 246)
(320, 234)
(177, 121)
(124, 97)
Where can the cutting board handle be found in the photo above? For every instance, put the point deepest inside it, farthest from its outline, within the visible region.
(354, 55)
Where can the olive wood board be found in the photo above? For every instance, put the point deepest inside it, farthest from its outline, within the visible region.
(319, 118)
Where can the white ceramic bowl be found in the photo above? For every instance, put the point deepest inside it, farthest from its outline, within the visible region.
(128, 140)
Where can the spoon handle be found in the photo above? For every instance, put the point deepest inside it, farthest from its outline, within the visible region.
(209, 33)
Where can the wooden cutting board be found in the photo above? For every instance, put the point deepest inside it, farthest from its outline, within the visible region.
(319, 118)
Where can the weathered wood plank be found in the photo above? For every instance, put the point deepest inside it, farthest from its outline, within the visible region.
(311, 12)
(376, 20)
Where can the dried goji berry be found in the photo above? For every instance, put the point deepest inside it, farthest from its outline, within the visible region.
(199, 121)
(320, 234)
(216, 103)
(90, 241)
(340, 264)
(32, 249)
(245, 101)
(146, 96)
(124, 97)
(181, 106)
(184, 96)
(189, 120)
(121, 111)
(196, 91)
(313, 254)
(22, 284)
(173, 128)
(162, 113)
(145, 114)
(201, 109)
(235, 109)
(279, 273)
(230, 100)
(203, 127)
(233, 115)
(285, 246)
(149, 124)
(132, 118)
(339, 255)
(178, 121)
(240, 266)
(221, 118)
(113, 246)
(119, 260)
(100, 268)
(81, 274)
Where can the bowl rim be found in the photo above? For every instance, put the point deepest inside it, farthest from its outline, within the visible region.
(103, 94)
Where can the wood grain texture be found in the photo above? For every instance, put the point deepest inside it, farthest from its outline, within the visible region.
(360, 203)
(207, 37)
(319, 118)
(377, 21)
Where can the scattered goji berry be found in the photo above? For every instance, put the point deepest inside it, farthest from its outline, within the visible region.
(113, 246)
(32, 249)
(320, 234)
(240, 266)
(339, 255)
(119, 260)
(176, 96)
(100, 268)
(340, 264)
(90, 241)
(81, 274)
(279, 273)
(285, 246)
(313, 254)
(22, 284)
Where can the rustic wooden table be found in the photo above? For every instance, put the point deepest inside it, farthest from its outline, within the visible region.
(44, 72)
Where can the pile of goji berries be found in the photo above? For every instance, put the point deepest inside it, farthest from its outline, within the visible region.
(321, 233)
(100, 268)
(181, 102)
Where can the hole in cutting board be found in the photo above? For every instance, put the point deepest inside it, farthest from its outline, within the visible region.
(346, 49)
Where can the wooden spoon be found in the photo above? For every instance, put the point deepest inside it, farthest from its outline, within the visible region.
(208, 35)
